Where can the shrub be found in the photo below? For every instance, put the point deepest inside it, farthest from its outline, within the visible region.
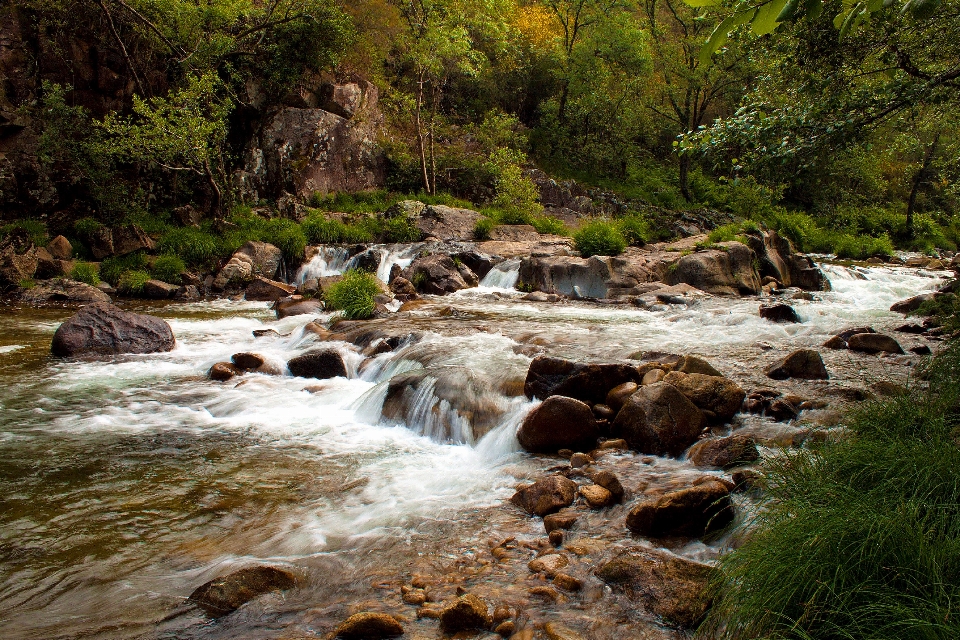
(400, 229)
(599, 238)
(858, 538)
(85, 227)
(168, 269)
(34, 228)
(86, 272)
(196, 247)
(549, 224)
(726, 233)
(112, 269)
(132, 282)
(483, 228)
(354, 295)
(635, 230)
(287, 236)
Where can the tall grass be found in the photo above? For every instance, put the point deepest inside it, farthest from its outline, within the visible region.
(600, 238)
(857, 539)
(354, 295)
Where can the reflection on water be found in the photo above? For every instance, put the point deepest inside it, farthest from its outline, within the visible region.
(126, 482)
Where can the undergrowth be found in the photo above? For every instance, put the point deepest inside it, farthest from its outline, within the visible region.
(354, 295)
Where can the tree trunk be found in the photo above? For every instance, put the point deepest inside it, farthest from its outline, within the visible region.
(918, 180)
(421, 147)
(216, 204)
(685, 177)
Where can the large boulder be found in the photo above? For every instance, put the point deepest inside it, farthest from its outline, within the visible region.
(321, 363)
(659, 420)
(725, 271)
(559, 423)
(223, 595)
(438, 274)
(296, 306)
(546, 496)
(911, 304)
(591, 383)
(447, 223)
(710, 393)
(565, 275)
(250, 260)
(777, 259)
(63, 291)
(368, 626)
(18, 260)
(130, 239)
(805, 364)
(668, 586)
(103, 329)
(726, 452)
(873, 343)
(60, 248)
(779, 312)
(692, 512)
(159, 290)
(266, 290)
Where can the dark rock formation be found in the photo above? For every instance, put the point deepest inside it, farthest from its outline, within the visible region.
(322, 364)
(223, 595)
(559, 423)
(103, 329)
(659, 420)
(546, 496)
(692, 512)
(805, 364)
(591, 383)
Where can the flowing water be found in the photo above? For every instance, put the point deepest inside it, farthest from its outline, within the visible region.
(127, 482)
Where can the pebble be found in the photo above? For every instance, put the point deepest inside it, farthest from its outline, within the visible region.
(556, 537)
(567, 582)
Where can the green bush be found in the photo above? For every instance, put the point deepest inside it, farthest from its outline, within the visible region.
(858, 538)
(86, 272)
(34, 228)
(635, 230)
(168, 269)
(599, 238)
(379, 201)
(353, 295)
(196, 247)
(400, 229)
(287, 236)
(85, 227)
(132, 282)
(483, 228)
(112, 269)
(726, 233)
(550, 225)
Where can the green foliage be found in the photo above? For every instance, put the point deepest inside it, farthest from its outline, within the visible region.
(483, 228)
(399, 229)
(86, 272)
(196, 247)
(379, 201)
(168, 268)
(599, 238)
(320, 230)
(944, 309)
(34, 228)
(516, 194)
(549, 225)
(115, 267)
(858, 538)
(85, 227)
(353, 295)
(726, 233)
(635, 229)
(131, 283)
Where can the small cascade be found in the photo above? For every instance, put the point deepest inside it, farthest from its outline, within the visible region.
(329, 261)
(503, 276)
(400, 255)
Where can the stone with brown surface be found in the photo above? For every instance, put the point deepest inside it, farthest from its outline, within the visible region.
(266, 290)
(561, 520)
(805, 364)
(468, 612)
(368, 626)
(619, 394)
(780, 312)
(725, 271)
(247, 361)
(911, 304)
(659, 420)
(671, 587)
(549, 564)
(63, 291)
(224, 595)
(548, 376)
(296, 306)
(546, 496)
(558, 423)
(873, 343)
(710, 393)
(436, 274)
(726, 452)
(103, 329)
(159, 290)
(695, 364)
(60, 248)
(692, 512)
(609, 481)
(320, 364)
(223, 371)
(596, 496)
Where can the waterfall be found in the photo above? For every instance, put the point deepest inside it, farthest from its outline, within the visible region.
(503, 276)
(329, 261)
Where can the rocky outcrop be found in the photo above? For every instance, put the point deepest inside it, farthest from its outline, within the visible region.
(591, 383)
(726, 452)
(321, 364)
(911, 304)
(778, 260)
(267, 290)
(873, 343)
(559, 423)
(659, 420)
(779, 313)
(368, 626)
(719, 395)
(728, 270)
(18, 260)
(327, 143)
(63, 291)
(438, 274)
(805, 364)
(103, 329)
(250, 260)
(594, 277)
(224, 595)
(692, 512)
(447, 223)
(668, 586)
(296, 306)
(159, 290)
(546, 496)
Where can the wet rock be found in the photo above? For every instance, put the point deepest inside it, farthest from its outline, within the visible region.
(889, 389)
(549, 564)
(555, 537)
(781, 410)
(694, 364)
(726, 452)
(546, 496)
(223, 595)
(836, 342)
(468, 612)
(590, 383)
(266, 290)
(921, 350)
(368, 626)
(873, 343)
(247, 361)
(159, 290)
(447, 223)
(562, 520)
(505, 628)
(659, 420)
(130, 239)
(578, 460)
(103, 329)
(609, 481)
(321, 364)
(415, 597)
(567, 582)
(746, 480)
(619, 394)
(435, 274)
(596, 496)
(805, 364)
(63, 291)
(296, 306)
(60, 248)
(779, 313)
(710, 393)
(250, 260)
(911, 328)
(653, 377)
(266, 333)
(725, 271)
(557, 631)
(566, 275)
(223, 371)
(692, 512)
(559, 422)
(671, 587)
(911, 304)
(403, 287)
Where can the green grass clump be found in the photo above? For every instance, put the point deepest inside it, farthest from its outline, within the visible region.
(857, 538)
(287, 236)
(353, 295)
(600, 238)
(34, 228)
(549, 225)
(168, 268)
(399, 229)
(635, 230)
(112, 269)
(379, 201)
(86, 272)
(483, 228)
(85, 227)
(132, 282)
(196, 247)
(727, 233)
